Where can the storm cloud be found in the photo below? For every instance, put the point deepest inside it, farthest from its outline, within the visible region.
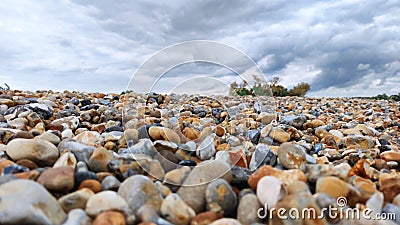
(342, 48)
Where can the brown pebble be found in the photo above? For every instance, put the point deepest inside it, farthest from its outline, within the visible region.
(204, 218)
(27, 163)
(93, 185)
(110, 218)
(30, 175)
(23, 134)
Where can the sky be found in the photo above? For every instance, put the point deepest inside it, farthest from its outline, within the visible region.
(341, 48)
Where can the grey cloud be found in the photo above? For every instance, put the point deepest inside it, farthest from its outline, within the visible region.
(101, 43)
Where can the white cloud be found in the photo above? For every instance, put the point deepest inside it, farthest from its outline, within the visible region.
(340, 47)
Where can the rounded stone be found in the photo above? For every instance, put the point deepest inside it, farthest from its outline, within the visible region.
(290, 156)
(164, 133)
(139, 190)
(33, 205)
(226, 221)
(205, 218)
(175, 210)
(110, 218)
(270, 190)
(75, 200)
(247, 209)
(104, 201)
(193, 189)
(99, 159)
(50, 137)
(93, 185)
(110, 183)
(58, 179)
(219, 195)
(39, 151)
(77, 217)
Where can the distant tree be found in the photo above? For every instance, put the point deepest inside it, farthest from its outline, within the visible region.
(299, 90)
(262, 88)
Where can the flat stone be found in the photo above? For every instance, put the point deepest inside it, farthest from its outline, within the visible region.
(39, 151)
(205, 218)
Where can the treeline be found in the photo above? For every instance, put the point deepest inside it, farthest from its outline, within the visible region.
(387, 97)
(262, 88)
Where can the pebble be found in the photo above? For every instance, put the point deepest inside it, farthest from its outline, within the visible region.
(164, 133)
(50, 137)
(110, 218)
(91, 184)
(333, 186)
(177, 176)
(270, 190)
(290, 156)
(90, 138)
(193, 189)
(66, 159)
(77, 217)
(350, 146)
(76, 199)
(175, 210)
(226, 221)
(220, 196)
(35, 205)
(248, 208)
(105, 201)
(81, 151)
(279, 135)
(39, 151)
(285, 176)
(206, 149)
(83, 174)
(262, 155)
(390, 186)
(98, 161)
(58, 179)
(110, 183)
(138, 190)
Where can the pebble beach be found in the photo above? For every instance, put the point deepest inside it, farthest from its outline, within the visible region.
(77, 158)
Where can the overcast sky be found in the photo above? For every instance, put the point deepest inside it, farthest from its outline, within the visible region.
(342, 48)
